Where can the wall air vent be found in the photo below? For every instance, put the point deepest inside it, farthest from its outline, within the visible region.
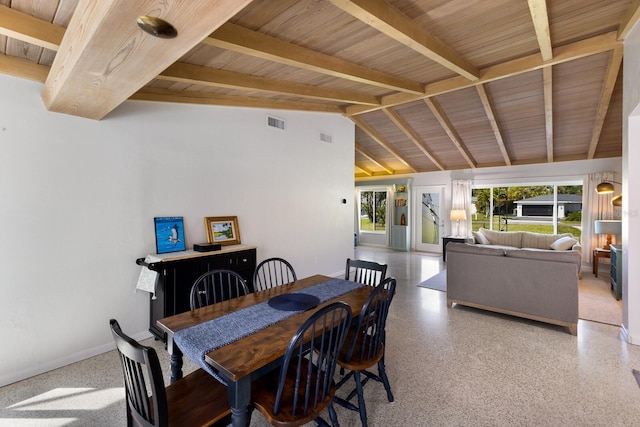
(276, 123)
(325, 137)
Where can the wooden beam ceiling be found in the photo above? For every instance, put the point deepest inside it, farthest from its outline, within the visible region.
(365, 153)
(547, 83)
(26, 28)
(104, 57)
(538, 9)
(493, 122)
(389, 21)
(448, 127)
(632, 18)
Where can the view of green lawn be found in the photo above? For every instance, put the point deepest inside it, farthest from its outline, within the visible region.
(367, 225)
(563, 227)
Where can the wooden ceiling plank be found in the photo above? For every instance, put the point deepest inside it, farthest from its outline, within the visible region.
(104, 57)
(538, 9)
(495, 125)
(381, 140)
(412, 135)
(547, 77)
(448, 127)
(238, 39)
(394, 24)
(203, 98)
(561, 54)
(630, 20)
(207, 76)
(366, 154)
(23, 68)
(24, 27)
(605, 99)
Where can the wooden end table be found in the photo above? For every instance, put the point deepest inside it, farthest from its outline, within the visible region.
(597, 254)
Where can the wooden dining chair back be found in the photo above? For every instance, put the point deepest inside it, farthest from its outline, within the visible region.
(273, 272)
(215, 286)
(303, 387)
(364, 347)
(365, 272)
(195, 400)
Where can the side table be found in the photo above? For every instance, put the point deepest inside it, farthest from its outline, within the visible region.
(597, 254)
(447, 240)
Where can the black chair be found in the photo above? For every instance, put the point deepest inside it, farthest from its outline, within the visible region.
(364, 347)
(303, 387)
(273, 272)
(365, 272)
(215, 286)
(195, 400)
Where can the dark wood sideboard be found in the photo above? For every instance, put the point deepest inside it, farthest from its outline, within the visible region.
(177, 274)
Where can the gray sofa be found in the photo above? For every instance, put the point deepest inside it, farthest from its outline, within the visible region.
(535, 284)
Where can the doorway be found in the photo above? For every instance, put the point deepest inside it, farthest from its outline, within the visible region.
(429, 221)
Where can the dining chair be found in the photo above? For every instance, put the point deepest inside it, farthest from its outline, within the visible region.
(303, 387)
(365, 272)
(215, 286)
(364, 347)
(273, 272)
(195, 400)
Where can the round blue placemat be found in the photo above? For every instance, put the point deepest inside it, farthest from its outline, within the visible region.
(294, 302)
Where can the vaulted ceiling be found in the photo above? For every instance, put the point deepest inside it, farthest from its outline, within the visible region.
(430, 84)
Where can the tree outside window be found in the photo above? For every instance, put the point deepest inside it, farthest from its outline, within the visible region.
(373, 211)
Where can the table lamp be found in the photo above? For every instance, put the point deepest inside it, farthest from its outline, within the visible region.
(608, 227)
(457, 215)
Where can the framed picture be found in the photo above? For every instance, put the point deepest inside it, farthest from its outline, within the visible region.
(222, 229)
(169, 234)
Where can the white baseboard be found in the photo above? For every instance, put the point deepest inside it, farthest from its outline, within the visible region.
(64, 361)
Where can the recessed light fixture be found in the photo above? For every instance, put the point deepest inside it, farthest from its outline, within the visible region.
(156, 27)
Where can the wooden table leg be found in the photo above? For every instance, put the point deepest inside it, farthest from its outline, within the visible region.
(175, 357)
(239, 393)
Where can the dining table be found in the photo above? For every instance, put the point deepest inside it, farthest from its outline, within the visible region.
(243, 338)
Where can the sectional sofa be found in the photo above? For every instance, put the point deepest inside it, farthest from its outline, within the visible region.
(519, 274)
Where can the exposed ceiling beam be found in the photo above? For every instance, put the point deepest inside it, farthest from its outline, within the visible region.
(538, 10)
(495, 126)
(448, 127)
(23, 68)
(561, 54)
(364, 170)
(394, 24)
(104, 57)
(547, 77)
(366, 154)
(412, 135)
(238, 39)
(24, 27)
(631, 18)
(605, 99)
(192, 97)
(381, 140)
(207, 76)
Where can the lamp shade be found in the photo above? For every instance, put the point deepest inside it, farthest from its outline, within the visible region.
(608, 227)
(604, 188)
(458, 214)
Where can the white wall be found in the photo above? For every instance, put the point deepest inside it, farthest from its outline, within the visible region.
(631, 196)
(78, 197)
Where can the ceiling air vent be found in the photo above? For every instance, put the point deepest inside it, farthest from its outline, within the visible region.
(325, 137)
(276, 123)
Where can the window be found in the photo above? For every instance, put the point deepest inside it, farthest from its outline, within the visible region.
(547, 209)
(373, 210)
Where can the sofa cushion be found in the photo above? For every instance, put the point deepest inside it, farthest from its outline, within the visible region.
(547, 255)
(504, 238)
(540, 241)
(563, 244)
(474, 249)
(479, 238)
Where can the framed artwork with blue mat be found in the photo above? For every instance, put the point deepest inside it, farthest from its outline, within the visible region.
(169, 234)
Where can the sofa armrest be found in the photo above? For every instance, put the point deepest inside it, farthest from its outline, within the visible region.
(577, 247)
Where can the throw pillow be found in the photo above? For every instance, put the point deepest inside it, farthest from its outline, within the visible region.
(479, 238)
(563, 243)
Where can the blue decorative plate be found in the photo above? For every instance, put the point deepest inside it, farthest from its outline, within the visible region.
(294, 302)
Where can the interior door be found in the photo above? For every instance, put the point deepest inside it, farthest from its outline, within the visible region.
(429, 220)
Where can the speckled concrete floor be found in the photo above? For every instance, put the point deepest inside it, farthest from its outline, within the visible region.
(447, 367)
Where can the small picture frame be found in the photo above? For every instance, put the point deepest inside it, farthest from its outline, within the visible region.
(169, 234)
(222, 229)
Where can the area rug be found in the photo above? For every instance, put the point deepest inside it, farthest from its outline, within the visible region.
(437, 282)
(596, 301)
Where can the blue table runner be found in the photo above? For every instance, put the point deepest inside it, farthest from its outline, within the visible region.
(196, 341)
